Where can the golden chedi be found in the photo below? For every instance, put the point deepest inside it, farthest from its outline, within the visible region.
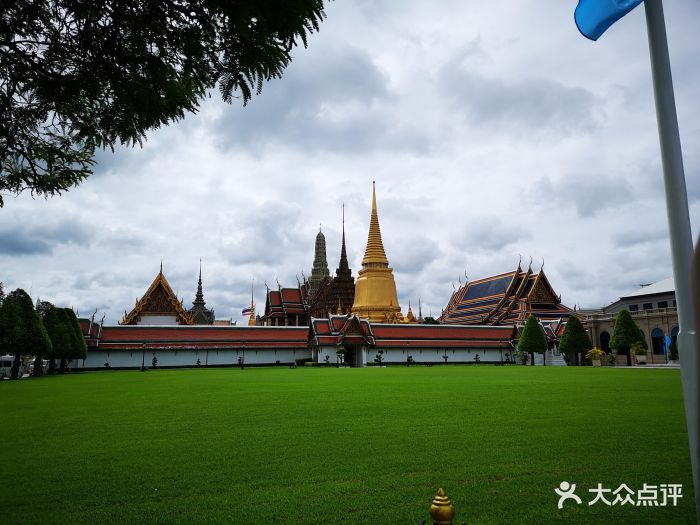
(375, 289)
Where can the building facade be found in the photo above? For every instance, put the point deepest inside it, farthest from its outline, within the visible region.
(653, 309)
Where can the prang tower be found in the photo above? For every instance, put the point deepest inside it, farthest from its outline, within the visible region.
(375, 289)
(319, 271)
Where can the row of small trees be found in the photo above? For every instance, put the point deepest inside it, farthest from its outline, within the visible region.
(575, 341)
(43, 332)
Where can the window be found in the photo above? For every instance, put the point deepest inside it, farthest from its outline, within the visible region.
(647, 306)
(663, 304)
(634, 308)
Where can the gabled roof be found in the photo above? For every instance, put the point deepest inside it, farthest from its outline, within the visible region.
(159, 299)
(341, 329)
(506, 298)
(285, 301)
(351, 329)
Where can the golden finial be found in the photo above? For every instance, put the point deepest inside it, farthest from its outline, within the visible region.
(441, 511)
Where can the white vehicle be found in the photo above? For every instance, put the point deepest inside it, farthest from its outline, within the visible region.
(6, 366)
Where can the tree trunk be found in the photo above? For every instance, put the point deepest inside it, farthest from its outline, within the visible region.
(52, 365)
(38, 366)
(14, 373)
(532, 358)
(63, 366)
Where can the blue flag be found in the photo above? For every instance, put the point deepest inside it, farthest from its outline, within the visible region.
(594, 17)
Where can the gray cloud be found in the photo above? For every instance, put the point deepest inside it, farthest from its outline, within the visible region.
(488, 234)
(340, 101)
(588, 194)
(539, 106)
(35, 239)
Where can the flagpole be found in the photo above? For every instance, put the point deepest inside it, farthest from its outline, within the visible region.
(679, 227)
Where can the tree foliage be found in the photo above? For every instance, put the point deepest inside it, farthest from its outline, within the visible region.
(625, 332)
(76, 75)
(56, 329)
(21, 329)
(73, 344)
(532, 339)
(80, 346)
(575, 339)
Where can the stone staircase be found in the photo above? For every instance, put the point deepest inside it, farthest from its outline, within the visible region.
(553, 358)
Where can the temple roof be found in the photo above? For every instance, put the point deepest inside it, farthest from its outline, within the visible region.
(506, 298)
(159, 299)
(340, 330)
(204, 337)
(285, 301)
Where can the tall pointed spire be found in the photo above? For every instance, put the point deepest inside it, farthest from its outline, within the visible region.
(343, 265)
(374, 253)
(375, 288)
(199, 296)
(337, 294)
(251, 319)
(200, 313)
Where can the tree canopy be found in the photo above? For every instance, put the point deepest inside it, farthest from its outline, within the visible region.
(21, 329)
(532, 339)
(625, 332)
(76, 75)
(575, 339)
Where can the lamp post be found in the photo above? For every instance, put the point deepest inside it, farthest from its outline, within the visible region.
(143, 357)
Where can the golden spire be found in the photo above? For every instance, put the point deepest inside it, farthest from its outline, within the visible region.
(251, 319)
(375, 289)
(374, 253)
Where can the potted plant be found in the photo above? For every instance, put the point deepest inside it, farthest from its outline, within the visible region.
(594, 354)
(639, 351)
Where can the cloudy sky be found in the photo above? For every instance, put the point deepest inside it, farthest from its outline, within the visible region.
(492, 129)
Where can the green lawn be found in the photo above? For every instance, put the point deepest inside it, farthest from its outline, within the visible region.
(339, 446)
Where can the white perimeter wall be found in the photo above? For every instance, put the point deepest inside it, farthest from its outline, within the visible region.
(422, 355)
(126, 359)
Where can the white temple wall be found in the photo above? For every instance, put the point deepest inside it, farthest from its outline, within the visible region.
(420, 355)
(187, 358)
(433, 355)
